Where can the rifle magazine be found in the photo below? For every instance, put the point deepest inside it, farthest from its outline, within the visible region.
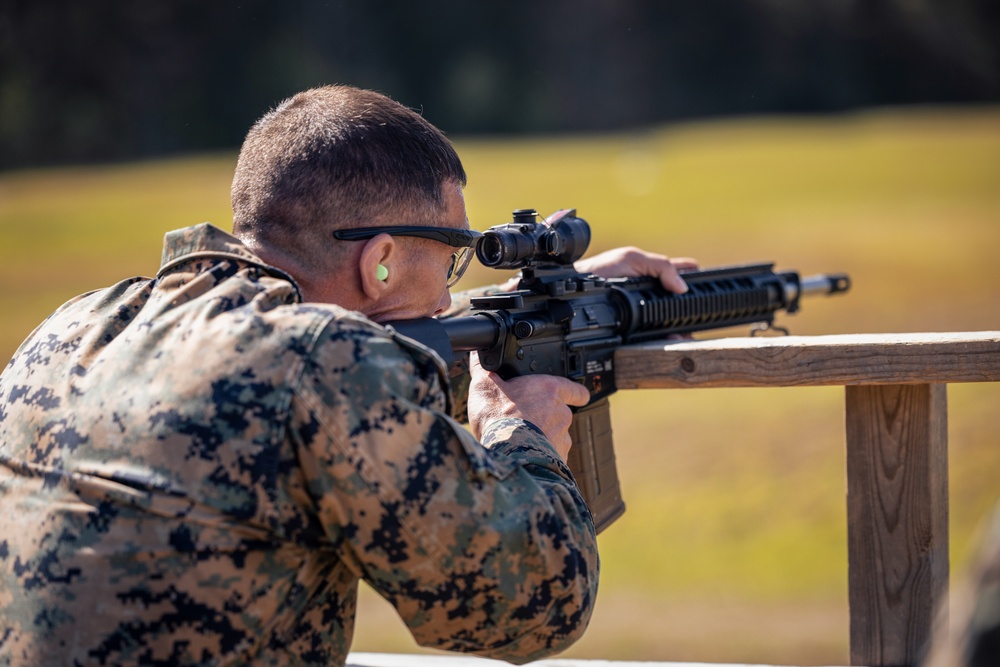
(592, 460)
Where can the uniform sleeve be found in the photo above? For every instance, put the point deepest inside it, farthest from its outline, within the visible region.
(489, 551)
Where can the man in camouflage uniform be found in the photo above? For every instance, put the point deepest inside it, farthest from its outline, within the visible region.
(198, 468)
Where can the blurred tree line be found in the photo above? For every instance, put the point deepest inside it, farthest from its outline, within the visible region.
(112, 79)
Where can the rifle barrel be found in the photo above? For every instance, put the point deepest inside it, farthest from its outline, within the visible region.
(825, 283)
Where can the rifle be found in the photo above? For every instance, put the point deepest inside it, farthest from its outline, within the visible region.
(562, 322)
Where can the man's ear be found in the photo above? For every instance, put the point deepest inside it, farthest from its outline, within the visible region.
(379, 251)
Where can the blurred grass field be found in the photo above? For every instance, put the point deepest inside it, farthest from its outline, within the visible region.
(733, 547)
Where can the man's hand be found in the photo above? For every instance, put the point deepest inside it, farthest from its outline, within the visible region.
(542, 400)
(630, 262)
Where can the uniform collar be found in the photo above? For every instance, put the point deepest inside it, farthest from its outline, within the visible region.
(208, 241)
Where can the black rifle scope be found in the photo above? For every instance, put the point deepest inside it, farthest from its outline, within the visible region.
(560, 240)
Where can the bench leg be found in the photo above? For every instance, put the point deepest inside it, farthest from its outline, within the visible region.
(897, 510)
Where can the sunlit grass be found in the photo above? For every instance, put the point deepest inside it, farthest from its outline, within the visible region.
(733, 547)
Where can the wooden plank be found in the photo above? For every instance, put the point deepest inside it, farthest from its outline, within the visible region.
(897, 508)
(812, 360)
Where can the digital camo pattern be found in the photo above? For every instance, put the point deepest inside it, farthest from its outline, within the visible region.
(197, 469)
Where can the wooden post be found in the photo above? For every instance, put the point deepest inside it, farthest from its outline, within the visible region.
(897, 506)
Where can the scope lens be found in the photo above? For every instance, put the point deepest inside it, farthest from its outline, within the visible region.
(490, 250)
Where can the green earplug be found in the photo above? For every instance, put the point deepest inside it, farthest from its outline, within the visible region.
(381, 272)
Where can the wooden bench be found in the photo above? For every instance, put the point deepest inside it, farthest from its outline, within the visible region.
(897, 454)
(897, 463)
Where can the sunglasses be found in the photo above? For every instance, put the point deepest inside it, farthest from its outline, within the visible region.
(465, 240)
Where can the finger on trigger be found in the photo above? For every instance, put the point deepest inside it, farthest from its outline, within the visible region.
(573, 393)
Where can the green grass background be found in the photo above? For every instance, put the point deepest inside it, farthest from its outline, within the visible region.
(733, 547)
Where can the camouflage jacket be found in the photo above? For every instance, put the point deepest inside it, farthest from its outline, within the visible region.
(198, 469)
